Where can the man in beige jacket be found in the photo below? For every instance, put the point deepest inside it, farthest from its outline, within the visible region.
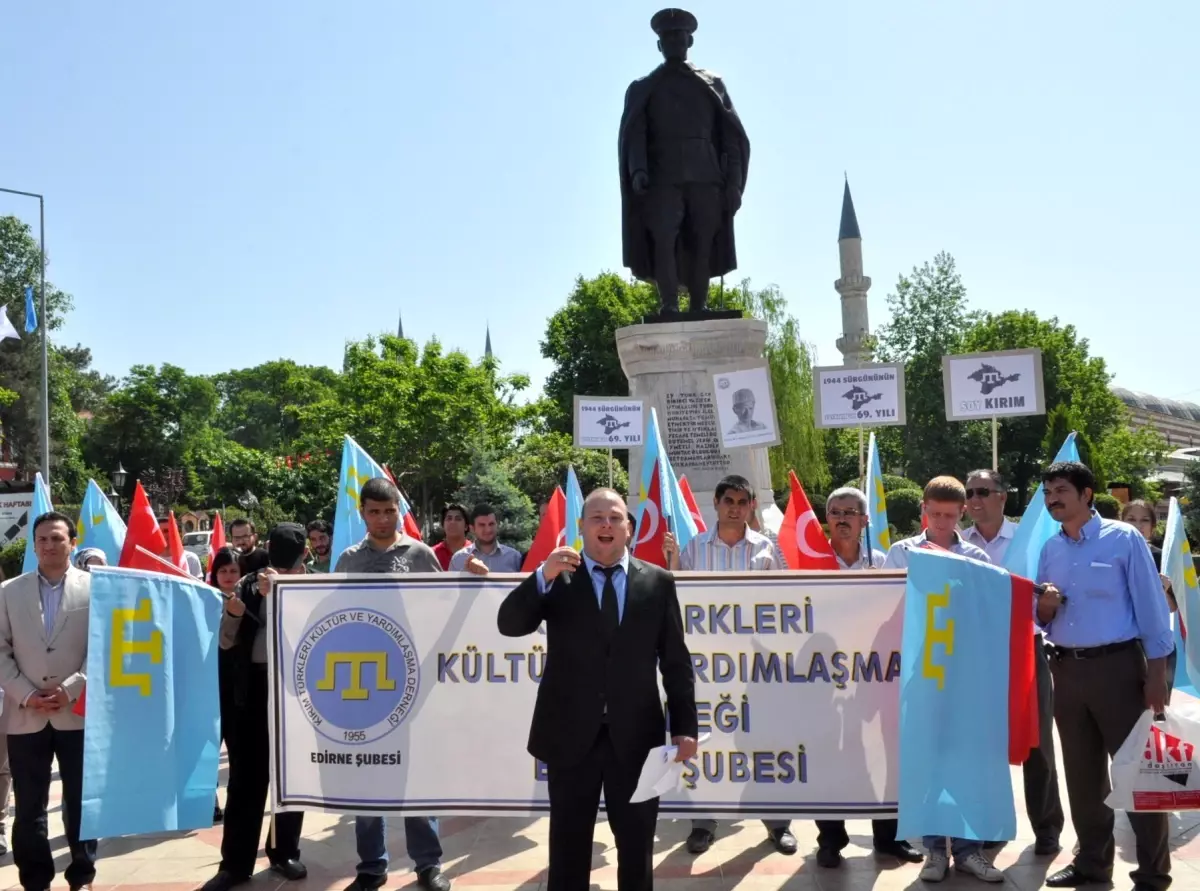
(43, 663)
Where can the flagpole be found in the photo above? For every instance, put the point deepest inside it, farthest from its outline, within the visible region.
(862, 459)
(995, 444)
(610, 469)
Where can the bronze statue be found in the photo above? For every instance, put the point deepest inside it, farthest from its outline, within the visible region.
(684, 156)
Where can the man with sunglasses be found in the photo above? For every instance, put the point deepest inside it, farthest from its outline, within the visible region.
(993, 532)
(846, 513)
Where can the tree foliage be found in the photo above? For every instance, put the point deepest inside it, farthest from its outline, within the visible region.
(487, 481)
(540, 462)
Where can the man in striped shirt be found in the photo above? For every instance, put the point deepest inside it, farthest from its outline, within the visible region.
(732, 546)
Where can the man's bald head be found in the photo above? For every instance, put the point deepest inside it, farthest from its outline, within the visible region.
(605, 526)
(607, 495)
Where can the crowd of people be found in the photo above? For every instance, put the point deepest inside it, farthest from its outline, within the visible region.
(1103, 656)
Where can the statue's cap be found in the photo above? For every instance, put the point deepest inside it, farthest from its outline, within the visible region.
(673, 20)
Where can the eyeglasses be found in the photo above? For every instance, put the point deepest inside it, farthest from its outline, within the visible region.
(838, 514)
(980, 493)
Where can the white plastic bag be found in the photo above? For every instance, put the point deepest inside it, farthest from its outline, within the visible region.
(1158, 767)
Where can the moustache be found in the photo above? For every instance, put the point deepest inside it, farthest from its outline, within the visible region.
(843, 525)
(1053, 506)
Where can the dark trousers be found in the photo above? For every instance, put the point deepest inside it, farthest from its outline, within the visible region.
(249, 745)
(1043, 804)
(1097, 702)
(574, 802)
(29, 757)
(832, 836)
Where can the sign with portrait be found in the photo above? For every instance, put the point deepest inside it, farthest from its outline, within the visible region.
(609, 422)
(993, 385)
(746, 408)
(866, 396)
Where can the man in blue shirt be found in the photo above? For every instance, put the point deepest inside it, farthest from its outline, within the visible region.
(1109, 635)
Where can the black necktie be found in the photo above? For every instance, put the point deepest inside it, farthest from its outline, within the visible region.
(609, 613)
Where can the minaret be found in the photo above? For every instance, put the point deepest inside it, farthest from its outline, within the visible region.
(853, 287)
(400, 326)
(487, 343)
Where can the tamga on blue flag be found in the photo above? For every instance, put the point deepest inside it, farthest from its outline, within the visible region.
(349, 528)
(41, 505)
(151, 744)
(954, 676)
(100, 526)
(1037, 526)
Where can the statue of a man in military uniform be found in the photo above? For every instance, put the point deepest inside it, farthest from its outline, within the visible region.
(684, 157)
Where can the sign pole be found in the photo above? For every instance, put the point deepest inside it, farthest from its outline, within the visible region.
(610, 469)
(995, 444)
(862, 455)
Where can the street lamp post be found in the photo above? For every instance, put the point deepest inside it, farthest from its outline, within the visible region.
(117, 478)
(43, 322)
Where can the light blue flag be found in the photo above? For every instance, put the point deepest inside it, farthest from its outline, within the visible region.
(349, 528)
(954, 655)
(30, 312)
(41, 505)
(878, 530)
(152, 741)
(1180, 568)
(574, 533)
(100, 526)
(675, 511)
(1037, 526)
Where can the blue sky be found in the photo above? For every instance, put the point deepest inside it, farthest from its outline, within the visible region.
(234, 182)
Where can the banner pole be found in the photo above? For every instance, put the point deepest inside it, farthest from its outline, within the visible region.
(995, 444)
(610, 469)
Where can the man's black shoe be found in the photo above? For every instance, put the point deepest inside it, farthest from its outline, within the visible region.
(1046, 847)
(218, 814)
(431, 878)
(699, 841)
(223, 881)
(366, 883)
(292, 870)
(828, 858)
(784, 841)
(902, 851)
(1070, 877)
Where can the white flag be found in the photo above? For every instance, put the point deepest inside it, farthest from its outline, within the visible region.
(6, 327)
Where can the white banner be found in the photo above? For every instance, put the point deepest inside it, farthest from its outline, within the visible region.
(993, 385)
(609, 422)
(398, 695)
(866, 396)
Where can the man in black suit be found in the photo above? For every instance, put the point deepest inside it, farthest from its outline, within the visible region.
(611, 623)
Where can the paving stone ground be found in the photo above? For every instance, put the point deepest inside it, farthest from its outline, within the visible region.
(511, 853)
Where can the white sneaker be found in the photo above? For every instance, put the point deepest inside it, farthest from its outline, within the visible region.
(976, 864)
(936, 865)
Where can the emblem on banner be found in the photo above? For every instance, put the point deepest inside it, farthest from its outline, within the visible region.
(357, 675)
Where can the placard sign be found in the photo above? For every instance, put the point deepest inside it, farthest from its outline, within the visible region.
(866, 396)
(993, 385)
(746, 408)
(609, 422)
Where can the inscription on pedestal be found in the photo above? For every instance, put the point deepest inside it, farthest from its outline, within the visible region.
(693, 441)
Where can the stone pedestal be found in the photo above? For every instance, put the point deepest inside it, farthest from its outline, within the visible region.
(670, 367)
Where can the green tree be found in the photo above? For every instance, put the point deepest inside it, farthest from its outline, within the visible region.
(421, 413)
(260, 406)
(540, 461)
(929, 319)
(1127, 455)
(21, 360)
(1189, 503)
(150, 421)
(487, 481)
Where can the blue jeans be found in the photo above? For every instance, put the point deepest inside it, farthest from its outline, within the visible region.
(961, 848)
(420, 836)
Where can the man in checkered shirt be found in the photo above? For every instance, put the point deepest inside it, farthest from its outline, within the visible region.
(732, 546)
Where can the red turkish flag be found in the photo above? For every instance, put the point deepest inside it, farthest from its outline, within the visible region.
(143, 559)
(551, 533)
(175, 542)
(924, 520)
(651, 526)
(142, 529)
(217, 541)
(690, 500)
(80, 706)
(801, 540)
(1023, 728)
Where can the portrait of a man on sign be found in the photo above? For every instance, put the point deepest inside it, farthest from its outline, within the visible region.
(745, 408)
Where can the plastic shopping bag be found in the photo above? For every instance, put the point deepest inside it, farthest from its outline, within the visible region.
(1158, 767)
